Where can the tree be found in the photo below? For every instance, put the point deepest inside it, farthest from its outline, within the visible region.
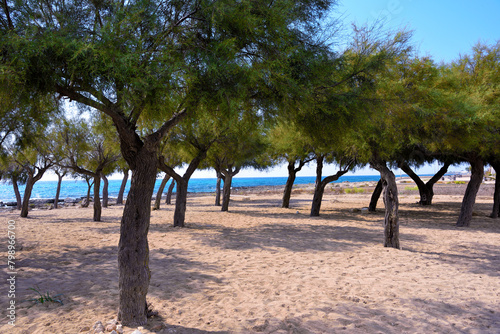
(137, 61)
(10, 171)
(287, 144)
(60, 172)
(35, 161)
(87, 152)
(238, 147)
(163, 183)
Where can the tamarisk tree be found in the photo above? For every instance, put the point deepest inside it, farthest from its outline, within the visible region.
(137, 61)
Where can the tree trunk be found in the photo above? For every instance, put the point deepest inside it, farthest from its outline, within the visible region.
(105, 191)
(17, 193)
(318, 192)
(287, 193)
(391, 203)
(226, 192)
(425, 190)
(477, 173)
(27, 194)
(119, 199)
(160, 192)
(97, 198)
(133, 249)
(228, 175)
(320, 185)
(182, 185)
(495, 212)
(169, 193)
(375, 196)
(89, 187)
(32, 179)
(180, 203)
(217, 189)
(58, 190)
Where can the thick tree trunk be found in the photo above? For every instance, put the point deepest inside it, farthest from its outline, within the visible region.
(97, 198)
(226, 191)
(318, 191)
(105, 191)
(133, 249)
(119, 199)
(168, 200)
(160, 192)
(477, 173)
(495, 212)
(217, 189)
(32, 179)
(320, 185)
(182, 185)
(27, 194)
(228, 175)
(426, 190)
(287, 192)
(180, 203)
(58, 190)
(391, 203)
(19, 201)
(375, 196)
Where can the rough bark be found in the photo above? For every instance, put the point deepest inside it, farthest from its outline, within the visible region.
(477, 173)
(119, 199)
(375, 196)
(217, 189)
(182, 185)
(226, 190)
(425, 190)
(163, 183)
(104, 191)
(58, 190)
(168, 200)
(495, 212)
(19, 201)
(391, 203)
(32, 179)
(292, 174)
(133, 249)
(319, 188)
(27, 194)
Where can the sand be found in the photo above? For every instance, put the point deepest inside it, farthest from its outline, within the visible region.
(263, 269)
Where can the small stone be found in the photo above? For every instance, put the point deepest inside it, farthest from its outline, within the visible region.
(110, 327)
(113, 332)
(137, 332)
(85, 329)
(119, 329)
(97, 323)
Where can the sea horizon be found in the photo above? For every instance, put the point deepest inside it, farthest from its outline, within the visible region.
(77, 188)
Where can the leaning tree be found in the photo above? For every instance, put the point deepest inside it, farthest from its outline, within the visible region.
(139, 60)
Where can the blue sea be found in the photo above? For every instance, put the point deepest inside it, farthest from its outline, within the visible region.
(78, 188)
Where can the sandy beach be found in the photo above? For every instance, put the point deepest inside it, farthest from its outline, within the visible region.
(262, 269)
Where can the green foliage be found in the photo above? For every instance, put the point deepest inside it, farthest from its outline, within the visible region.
(411, 188)
(355, 190)
(44, 298)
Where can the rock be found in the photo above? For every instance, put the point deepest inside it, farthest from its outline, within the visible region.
(364, 210)
(137, 332)
(97, 323)
(157, 328)
(51, 207)
(354, 210)
(110, 327)
(119, 329)
(85, 329)
(113, 332)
